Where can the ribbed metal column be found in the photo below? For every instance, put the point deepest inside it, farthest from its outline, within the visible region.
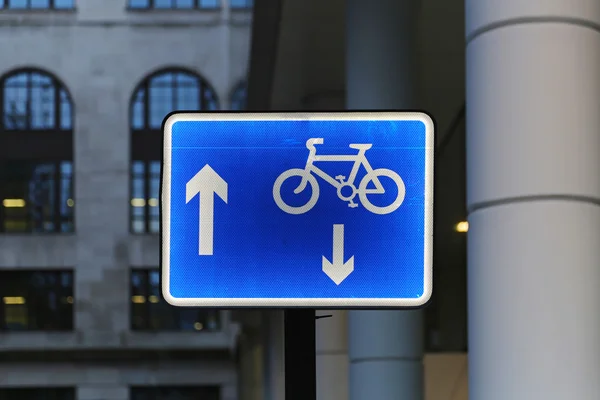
(533, 161)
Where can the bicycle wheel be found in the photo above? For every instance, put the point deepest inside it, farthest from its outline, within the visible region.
(314, 188)
(376, 174)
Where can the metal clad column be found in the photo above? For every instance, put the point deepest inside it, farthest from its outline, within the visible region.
(332, 356)
(533, 187)
(385, 347)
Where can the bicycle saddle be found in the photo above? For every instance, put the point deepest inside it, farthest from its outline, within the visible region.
(360, 146)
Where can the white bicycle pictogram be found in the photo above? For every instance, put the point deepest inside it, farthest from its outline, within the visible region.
(339, 182)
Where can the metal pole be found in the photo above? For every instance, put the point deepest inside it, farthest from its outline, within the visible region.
(300, 354)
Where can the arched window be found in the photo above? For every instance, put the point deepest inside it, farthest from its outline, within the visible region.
(36, 154)
(156, 96)
(238, 97)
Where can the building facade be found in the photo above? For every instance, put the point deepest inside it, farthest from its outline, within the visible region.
(84, 88)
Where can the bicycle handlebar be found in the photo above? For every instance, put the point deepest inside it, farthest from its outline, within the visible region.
(310, 143)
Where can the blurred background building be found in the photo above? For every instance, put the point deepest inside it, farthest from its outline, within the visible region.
(84, 88)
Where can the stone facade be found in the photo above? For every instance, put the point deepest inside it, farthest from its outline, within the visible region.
(101, 52)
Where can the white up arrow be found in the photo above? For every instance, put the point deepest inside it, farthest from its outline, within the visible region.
(206, 183)
(338, 270)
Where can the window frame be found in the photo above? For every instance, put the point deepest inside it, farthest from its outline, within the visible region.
(146, 143)
(52, 146)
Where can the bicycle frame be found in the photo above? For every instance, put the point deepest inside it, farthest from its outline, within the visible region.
(358, 159)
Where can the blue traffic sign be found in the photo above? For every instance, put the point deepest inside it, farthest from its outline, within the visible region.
(297, 209)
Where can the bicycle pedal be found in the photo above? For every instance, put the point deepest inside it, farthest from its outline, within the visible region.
(353, 205)
(340, 178)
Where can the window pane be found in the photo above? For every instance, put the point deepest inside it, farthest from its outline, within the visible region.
(17, 4)
(64, 4)
(163, 3)
(138, 299)
(15, 101)
(188, 97)
(154, 184)
(210, 3)
(210, 100)
(139, 3)
(241, 3)
(42, 103)
(187, 92)
(36, 300)
(238, 98)
(66, 112)
(162, 315)
(137, 110)
(35, 197)
(184, 3)
(138, 195)
(138, 283)
(39, 3)
(138, 225)
(43, 197)
(161, 99)
(145, 204)
(153, 201)
(155, 169)
(66, 279)
(67, 203)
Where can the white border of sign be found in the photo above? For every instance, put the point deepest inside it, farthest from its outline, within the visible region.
(297, 302)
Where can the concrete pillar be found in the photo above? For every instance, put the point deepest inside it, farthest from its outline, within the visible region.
(274, 387)
(533, 188)
(332, 356)
(385, 347)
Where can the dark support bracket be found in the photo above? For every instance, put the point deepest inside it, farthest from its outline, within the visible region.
(300, 358)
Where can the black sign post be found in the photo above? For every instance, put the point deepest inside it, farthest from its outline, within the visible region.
(300, 354)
